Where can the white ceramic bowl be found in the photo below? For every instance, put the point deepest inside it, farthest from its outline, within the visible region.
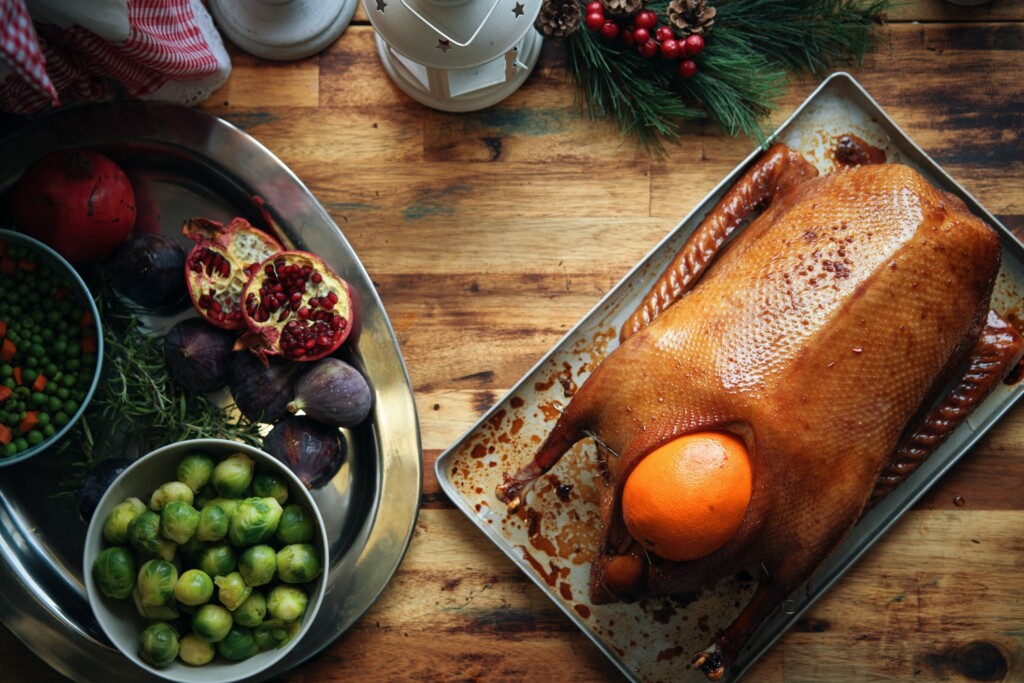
(119, 618)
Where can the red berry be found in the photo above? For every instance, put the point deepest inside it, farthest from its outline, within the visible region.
(687, 69)
(693, 45)
(641, 35)
(664, 33)
(595, 7)
(610, 30)
(647, 49)
(646, 19)
(595, 21)
(627, 36)
(670, 49)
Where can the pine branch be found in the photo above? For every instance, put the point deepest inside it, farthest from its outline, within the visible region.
(742, 72)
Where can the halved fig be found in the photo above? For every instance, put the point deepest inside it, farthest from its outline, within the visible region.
(295, 306)
(221, 263)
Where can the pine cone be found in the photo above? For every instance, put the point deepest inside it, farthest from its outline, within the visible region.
(620, 9)
(691, 16)
(559, 18)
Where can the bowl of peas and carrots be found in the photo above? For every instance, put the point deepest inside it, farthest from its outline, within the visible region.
(51, 347)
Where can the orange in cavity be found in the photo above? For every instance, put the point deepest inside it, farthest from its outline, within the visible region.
(686, 499)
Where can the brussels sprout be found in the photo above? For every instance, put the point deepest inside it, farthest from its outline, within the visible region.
(115, 527)
(144, 536)
(178, 521)
(232, 476)
(297, 524)
(228, 505)
(218, 560)
(213, 523)
(298, 563)
(287, 603)
(165, 612)
(238, 644)
(195, 470)
(194, 587)
(274, 633)
(251, 612)
(232, 590)
(254, 521)
(158, 644)
(157, 579)
(211, 623)
(172, 490)
(194, 651)
(267, 485)
(114, 572)
(258, 565)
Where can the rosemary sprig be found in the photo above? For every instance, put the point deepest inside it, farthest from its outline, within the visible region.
(753, 47)
(141, 407)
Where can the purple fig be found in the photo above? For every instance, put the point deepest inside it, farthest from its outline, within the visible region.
(261, 391)
(311, 450)
(197, 355)
(333, 393)
(150, 270)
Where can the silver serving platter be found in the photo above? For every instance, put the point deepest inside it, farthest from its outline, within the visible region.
(555, 537)
(185, 163)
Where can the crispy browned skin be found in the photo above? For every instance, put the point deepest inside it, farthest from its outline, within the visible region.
(819, 336)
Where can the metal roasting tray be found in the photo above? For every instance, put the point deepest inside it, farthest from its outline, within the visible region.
(184, 163)
(555, 537)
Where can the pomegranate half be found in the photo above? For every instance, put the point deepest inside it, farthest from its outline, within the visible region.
(219, 266)
(295, 306)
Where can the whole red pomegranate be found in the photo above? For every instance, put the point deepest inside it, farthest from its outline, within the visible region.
(77, 201)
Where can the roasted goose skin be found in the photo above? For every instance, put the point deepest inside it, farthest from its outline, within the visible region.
(821, 335)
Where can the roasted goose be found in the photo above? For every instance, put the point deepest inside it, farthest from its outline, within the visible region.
(823, 337)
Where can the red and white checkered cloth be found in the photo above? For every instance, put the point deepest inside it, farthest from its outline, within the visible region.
(50, 65)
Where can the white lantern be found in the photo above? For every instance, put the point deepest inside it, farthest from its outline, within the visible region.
(456, 55)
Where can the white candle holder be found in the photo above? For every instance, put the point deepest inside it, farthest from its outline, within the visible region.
(456, 55)
(282, 29)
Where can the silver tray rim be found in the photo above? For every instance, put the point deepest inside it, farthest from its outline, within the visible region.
(875, 523)
(36, 617)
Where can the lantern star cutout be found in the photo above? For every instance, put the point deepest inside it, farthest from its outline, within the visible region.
(381, 5)
(443, 45)
(518, 10)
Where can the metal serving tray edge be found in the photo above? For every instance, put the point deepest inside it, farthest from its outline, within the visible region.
(840, 94)
(190, 160)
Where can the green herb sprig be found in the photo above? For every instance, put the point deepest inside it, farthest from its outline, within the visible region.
(743, 71)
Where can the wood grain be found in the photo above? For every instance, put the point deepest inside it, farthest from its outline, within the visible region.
(489, 234)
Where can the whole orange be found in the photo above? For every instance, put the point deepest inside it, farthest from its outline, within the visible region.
(686, 499)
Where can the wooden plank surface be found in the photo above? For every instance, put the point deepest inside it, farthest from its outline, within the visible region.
(490, 234)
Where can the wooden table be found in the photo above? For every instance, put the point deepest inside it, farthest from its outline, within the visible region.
(490, 234)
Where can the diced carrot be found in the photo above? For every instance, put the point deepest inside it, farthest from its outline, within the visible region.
(7, 350)
(8, 266)
(60, 293)
(6, 436)
(39, 383)
(5, 393)
(89, 344)
(3, 328)
(17, 375)
(87, 319)
(30, 420)
(27, 266)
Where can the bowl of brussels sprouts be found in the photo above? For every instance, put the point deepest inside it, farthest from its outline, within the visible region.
(206, 560)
